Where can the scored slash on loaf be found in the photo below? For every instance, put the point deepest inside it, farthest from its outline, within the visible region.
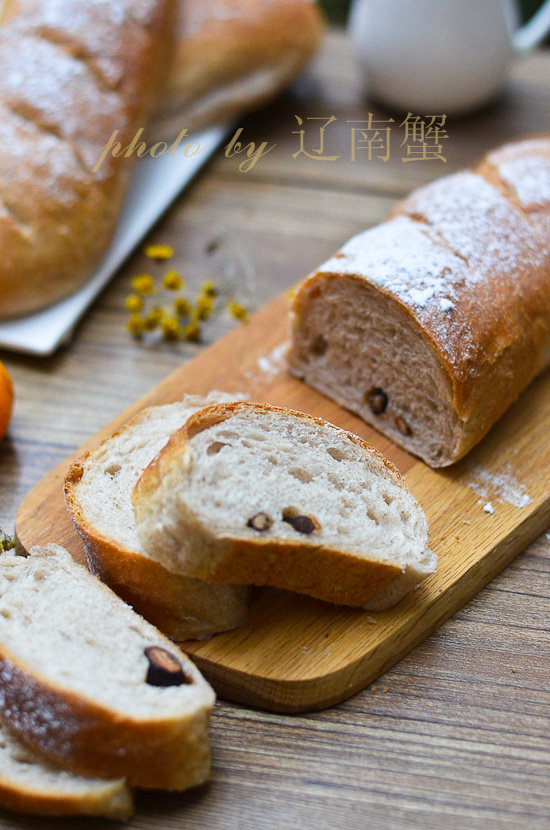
(431, 324)
(268, 496)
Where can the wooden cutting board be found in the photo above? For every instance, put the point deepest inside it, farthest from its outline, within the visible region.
(296, 654)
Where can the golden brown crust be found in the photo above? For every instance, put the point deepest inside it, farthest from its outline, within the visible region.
(112, 802)
(233, 55)
(181, 607)
(92, 740)
(326, 573)
(70, 74)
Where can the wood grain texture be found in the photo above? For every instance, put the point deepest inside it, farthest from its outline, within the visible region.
(455, 735)
(296, 654)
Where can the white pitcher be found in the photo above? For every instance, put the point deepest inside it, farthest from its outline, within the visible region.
(440, 56)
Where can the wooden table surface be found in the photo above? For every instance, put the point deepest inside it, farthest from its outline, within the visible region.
(457, 734)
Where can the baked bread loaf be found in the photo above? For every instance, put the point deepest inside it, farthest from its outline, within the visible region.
(88, 682)
(98, 487)
(265, 495)
(71, 73)
(430, 325)
(232, 56)
(31, 783)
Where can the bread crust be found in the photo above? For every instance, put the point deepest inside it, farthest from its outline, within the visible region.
(182, 607)
(71, 74)
(232, 56)
(496, 337)
(111, 800)
(330, 574)
(91, 738)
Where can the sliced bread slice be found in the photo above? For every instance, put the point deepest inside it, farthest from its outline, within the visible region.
(265, 495)
(31, 783)
(87, 681)
(98, 487)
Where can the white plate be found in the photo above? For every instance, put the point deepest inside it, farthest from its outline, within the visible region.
(155, 184)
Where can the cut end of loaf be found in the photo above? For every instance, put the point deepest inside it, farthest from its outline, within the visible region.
(360, 348)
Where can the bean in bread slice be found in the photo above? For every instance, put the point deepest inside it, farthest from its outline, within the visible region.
(269, 496)
(98, 487)
(91, 684)
(31, 783)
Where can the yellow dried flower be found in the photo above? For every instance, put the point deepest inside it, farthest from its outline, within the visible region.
(173, 281)
(237, 310)
(134, 303)
(6, 542)
(208, 289)
(203, 307)
(135, 325)
(143, 284)
(159, 252)
(170, 328)
(182, 307)
(153, 319)
(192, 331)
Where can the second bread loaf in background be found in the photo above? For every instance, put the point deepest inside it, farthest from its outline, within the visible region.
(71, 73)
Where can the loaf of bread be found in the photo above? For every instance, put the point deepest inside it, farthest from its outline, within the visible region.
(88, 682)
(430, 325)
(71, 73)
(268, 496)
(31, 783)
(232, 56)
(98, 487)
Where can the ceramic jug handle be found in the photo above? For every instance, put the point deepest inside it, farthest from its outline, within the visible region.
(534, 31)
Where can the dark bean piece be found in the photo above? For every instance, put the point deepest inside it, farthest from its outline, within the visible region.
(319, 345)
(303, 524)
(260, 522)
(164, 668)
(378, 400)
(403, 426)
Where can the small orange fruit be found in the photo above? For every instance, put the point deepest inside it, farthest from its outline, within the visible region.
(6, 400)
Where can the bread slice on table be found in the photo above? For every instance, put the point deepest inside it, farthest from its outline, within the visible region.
(88, 682)
(98, 487)
(260, 494)
(31, 783)
(430, 325)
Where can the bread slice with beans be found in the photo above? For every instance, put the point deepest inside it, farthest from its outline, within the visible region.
(31, 783)
(98, 487)
(88, 682)
(269, 496)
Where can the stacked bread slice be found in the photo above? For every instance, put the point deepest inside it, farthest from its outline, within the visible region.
(31, 783)
(179, 510)
(99, 691)
(98, 488)
(265, 495)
